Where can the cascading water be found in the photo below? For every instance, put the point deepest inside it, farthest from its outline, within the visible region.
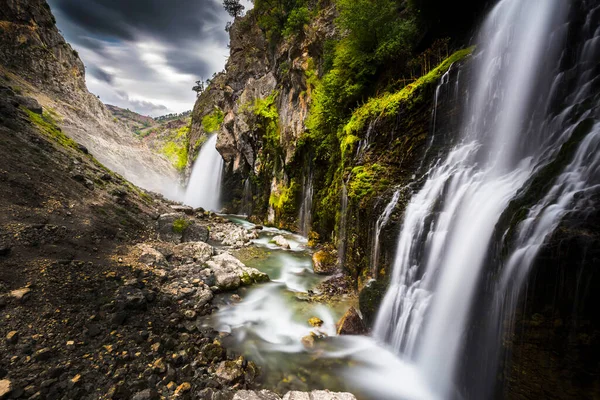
(246, 207)
(508, 135)
(204, 187)
(379, 225)
(307, 202)
(342, 227)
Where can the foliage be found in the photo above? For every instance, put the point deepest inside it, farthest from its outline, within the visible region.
(212, 122)
(365, 181)
(296, 21)
(233, 7)
(273, 17)
(268, 119)
(180, 225)
(47, 125)
(176, 150)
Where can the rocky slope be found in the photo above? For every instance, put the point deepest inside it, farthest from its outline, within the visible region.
(36, 61)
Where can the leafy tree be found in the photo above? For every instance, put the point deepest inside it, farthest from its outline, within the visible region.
(199, 88)
(233, 7)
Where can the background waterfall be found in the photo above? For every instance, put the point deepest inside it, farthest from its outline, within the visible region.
(509, 134)
(204, 187)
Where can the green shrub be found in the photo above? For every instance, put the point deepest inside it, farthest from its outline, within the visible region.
(212, 122)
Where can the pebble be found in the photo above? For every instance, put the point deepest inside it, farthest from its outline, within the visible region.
(5, 388)
(12, 337)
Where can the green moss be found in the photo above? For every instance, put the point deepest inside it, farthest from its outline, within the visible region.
(47, 125)
(212, 122)
(365, 181)
(282, 197)
(180, 225)
(389, 103)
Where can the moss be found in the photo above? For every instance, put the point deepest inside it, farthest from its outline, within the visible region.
(365, 181)
(180, 225)
(47, 125)
(389, 103)
(212, 122)
(369, 300)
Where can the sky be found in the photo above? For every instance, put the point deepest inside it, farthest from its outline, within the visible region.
(145, 55)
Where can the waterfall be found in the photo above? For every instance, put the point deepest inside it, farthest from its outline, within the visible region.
(246, 206)
(379, 225)
(204, 187)
(305, 217)
(343, 226)
(509, 133)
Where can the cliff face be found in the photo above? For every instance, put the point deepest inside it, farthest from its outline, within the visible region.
(36, 61)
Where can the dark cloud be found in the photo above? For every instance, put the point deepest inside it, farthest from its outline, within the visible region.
(102, 75)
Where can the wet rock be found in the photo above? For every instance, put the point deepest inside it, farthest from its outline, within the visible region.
(308, 341)
(369, 299)
(193, 251)
(5, 388)
(195, 233)
(351, 323)
(182, 389)
(21, 295)
(12, 337)
(151, 256)
(229, 372)
(318, 395)
(281, 242)
(324, 262)
(315, 322)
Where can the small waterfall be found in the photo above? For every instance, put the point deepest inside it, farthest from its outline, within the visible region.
(246, 205)
(343, 226)
(204, 187)
(305, 217)
(508, 134)
(379, 225)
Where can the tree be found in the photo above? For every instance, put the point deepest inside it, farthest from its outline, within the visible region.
(233, 7)
(199, 88)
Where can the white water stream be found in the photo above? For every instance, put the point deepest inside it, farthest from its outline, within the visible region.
(204, 187)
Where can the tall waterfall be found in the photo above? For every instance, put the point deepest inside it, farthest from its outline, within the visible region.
(307, 202)
(510, 132)
(204, 187)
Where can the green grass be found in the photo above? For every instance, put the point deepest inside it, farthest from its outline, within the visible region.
(47, 125)
(180, 225)
(212, 122)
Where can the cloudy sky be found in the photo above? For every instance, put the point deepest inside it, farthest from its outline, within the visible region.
(145, 55)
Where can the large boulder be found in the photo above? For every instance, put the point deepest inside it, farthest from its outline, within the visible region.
(318, 395)
(179, 228)
(281, 242)
(151, 256)
(351, 324)
(193, 251)
(230, 273)
(251, 395)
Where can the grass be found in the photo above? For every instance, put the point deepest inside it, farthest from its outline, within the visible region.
(47, 125)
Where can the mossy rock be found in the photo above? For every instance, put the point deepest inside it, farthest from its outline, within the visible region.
(370, 299)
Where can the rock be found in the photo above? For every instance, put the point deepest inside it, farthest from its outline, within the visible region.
(171, 227)
(146, 394)
(318, 395)
(5, 388)
(182, 389)
(230, 273)
(130, 298)
(251, 395)
(324, 262)
(21, 294)
(229, 373)
(151, 256)
(30, 103)
(190, 315)
(83, 149)
(193, 251)
(195, 233)
(369, 299)
(12, 337)
(182, 209)
(4, 249)
(43, 354)
(308, 341)
(315, 322)
(281, 242)
(351, 324)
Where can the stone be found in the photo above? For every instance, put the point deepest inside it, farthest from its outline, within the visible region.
(230, 273)
(318, 395)
(193, 251)
(5, 388)
(281, 242)
(195, 233)
(12, 337)
(43, 354)
(4, 249)
(315, 322)
(324, 262)
(21, 294)
(369, 299)
(229, 372)
(151, 256)
(182, 209)
(351, 324)
(171, 227)
(182, 389)
(251, 395)
(146, 394)
(308, 341)
(131, 298)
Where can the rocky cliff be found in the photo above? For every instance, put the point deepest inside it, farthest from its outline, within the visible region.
(36, 61)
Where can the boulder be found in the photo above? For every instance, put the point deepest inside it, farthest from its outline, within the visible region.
(281, 242)
(369, 299)
(146, 394)
(195, 233)
(251, 395)
(315, 322)
(21, 294)
(30, 103)
(5, 388)
(318, 395)
(183, 209)
(130, 298)
(324, 262)
(229, 373)
(151, 256)
(351, 324)
(230, 273)
(171, 227)
(193, 251)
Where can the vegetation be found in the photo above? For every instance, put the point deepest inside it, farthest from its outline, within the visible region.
(176, 150)
(47, 125)
(180, 225)
(212, 122)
